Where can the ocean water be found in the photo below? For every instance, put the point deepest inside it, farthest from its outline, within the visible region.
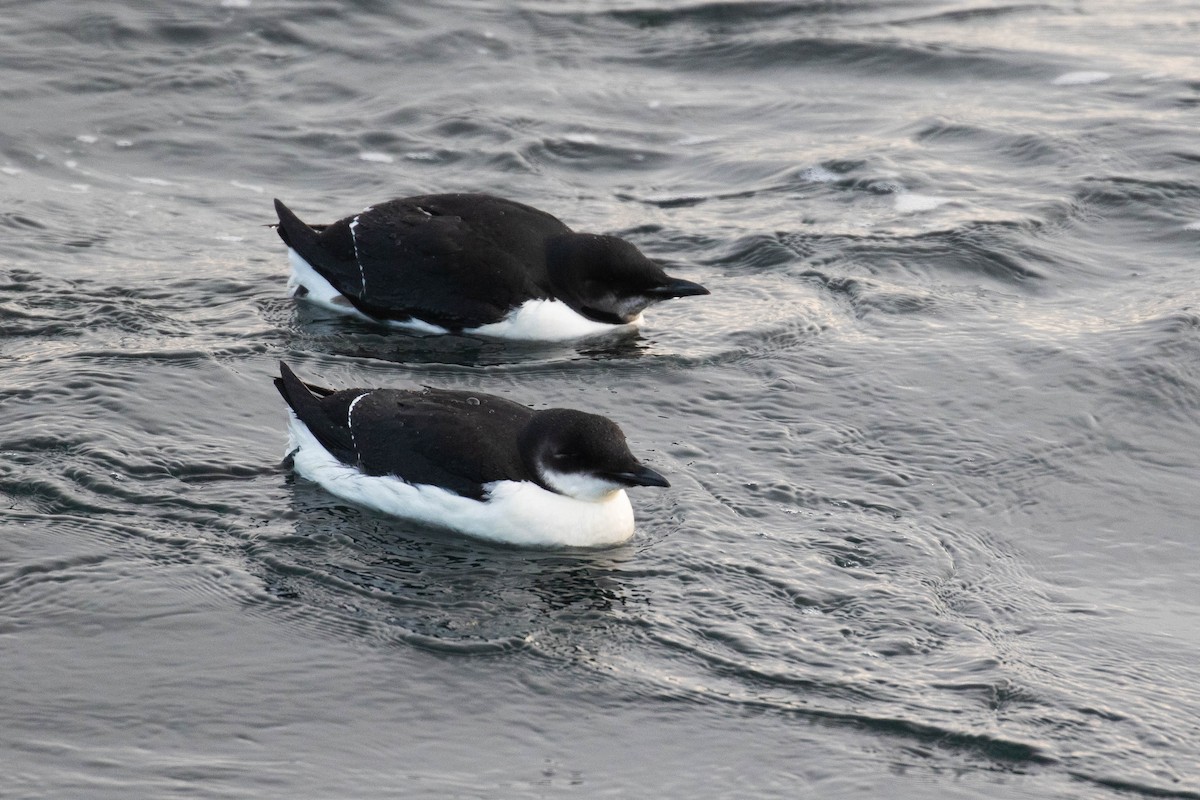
(934, 439)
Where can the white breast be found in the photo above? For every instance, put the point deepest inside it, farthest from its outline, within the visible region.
(548, 321)
(514, 512)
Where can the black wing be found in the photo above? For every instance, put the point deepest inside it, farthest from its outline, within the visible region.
(459, 261)
(455, 260)
(457, 440)
(310, 404)
(329, 249)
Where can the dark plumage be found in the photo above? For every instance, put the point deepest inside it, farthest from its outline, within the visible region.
(464, 261)
(460, 441)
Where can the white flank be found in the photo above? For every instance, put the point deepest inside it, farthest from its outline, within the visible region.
(320, 291)
(415, 325)
(533, 320)
(514, 512)
(548, 321)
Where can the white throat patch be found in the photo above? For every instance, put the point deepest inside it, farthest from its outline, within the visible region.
(579, 486)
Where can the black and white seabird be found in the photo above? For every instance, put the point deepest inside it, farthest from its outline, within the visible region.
(472, 462)
(473, 263)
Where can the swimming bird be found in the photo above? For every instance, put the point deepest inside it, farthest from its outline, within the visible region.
(472, 462)
(474, 263)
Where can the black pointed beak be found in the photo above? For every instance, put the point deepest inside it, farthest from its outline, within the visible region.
(677, 287)
(642, 476)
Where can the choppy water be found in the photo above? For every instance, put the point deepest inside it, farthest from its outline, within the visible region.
(934, 442)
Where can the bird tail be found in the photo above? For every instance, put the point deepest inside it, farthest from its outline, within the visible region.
(307, 407)
(294, 232)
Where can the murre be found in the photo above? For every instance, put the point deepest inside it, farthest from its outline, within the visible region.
(472, 462)
(476, 264)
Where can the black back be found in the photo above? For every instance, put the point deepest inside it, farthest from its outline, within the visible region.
(461, 440)
(455, 260)
(466, 260)
(458, 440)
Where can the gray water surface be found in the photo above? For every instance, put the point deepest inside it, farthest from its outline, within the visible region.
(933, 530)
